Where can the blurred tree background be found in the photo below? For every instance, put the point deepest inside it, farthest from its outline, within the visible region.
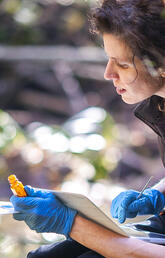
(62, 126)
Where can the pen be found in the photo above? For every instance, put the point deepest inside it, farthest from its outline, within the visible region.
(145, 186)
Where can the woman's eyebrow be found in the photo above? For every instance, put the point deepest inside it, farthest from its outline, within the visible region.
(118, 59)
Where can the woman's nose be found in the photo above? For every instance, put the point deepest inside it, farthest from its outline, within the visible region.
(110, 72)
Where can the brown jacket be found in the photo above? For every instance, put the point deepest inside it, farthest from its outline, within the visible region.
(149, 112)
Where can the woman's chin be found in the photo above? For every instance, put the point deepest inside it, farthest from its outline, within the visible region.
(131, 100)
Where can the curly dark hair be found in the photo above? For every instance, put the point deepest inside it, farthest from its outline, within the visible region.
(139, 23)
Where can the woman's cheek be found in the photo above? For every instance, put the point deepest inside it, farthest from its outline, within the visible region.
(128, 78)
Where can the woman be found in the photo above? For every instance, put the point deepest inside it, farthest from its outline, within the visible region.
(134, 40)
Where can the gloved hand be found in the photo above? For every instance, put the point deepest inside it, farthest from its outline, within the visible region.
(126, 204)
(43, 212)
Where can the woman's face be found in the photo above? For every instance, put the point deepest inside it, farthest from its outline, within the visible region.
(130, 76)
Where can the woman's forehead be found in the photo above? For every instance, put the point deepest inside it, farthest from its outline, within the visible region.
(116, 47)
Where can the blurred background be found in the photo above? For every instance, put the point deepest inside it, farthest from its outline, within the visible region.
(62, 126)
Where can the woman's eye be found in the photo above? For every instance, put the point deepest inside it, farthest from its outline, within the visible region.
(124, 66)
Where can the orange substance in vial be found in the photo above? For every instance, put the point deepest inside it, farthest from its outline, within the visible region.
(16, 186)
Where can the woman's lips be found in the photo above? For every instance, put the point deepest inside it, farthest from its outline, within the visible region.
(120, 91)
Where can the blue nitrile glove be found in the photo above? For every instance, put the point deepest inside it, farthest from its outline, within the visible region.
(126, 204)
(43, 212)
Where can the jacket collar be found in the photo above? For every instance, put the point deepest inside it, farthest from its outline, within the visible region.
(149, 113)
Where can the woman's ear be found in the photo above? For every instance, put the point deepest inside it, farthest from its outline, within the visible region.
(162, 72)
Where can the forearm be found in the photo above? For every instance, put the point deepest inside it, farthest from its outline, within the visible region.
(110, 244)
(160, 186)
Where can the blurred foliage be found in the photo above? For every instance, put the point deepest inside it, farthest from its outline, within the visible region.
(34, 144)
(11, 135)
(87, 134)
(31, 22)
(12, 139)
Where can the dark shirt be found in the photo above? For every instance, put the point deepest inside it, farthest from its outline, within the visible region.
(149, 112)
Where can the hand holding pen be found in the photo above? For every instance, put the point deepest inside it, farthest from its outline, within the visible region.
(131, 203)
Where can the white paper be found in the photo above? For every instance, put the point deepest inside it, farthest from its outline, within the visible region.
(6, 208)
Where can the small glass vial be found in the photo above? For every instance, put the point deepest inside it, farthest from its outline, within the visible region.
(16, 186)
